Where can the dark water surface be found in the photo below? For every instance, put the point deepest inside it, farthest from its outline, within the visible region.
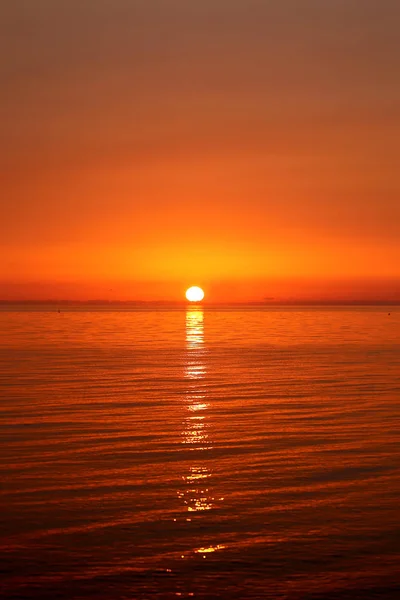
(216, 454)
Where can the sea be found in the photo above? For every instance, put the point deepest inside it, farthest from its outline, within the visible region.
(243, 452)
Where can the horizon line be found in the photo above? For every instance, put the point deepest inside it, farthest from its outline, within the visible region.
(281, 302)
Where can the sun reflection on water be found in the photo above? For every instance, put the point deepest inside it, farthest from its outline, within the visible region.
(194, 329)
(196, 494)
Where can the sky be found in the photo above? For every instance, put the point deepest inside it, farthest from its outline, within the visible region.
(248, 146)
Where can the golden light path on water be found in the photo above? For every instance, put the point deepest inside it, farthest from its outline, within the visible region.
(197, 494)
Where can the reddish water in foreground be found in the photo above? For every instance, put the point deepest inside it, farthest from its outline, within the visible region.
(218, 454)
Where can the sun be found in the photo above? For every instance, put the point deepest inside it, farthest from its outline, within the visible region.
(194, 294)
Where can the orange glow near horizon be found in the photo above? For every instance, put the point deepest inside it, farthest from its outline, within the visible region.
(260, 165)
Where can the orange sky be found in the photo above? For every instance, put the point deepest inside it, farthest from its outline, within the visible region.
(247, 146)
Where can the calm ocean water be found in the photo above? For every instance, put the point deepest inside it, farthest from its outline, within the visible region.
(218, 454)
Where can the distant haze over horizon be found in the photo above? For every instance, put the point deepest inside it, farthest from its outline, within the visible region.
(248, 147)
(224, 292)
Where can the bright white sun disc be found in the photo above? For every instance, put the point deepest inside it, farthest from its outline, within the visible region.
(194, 294)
